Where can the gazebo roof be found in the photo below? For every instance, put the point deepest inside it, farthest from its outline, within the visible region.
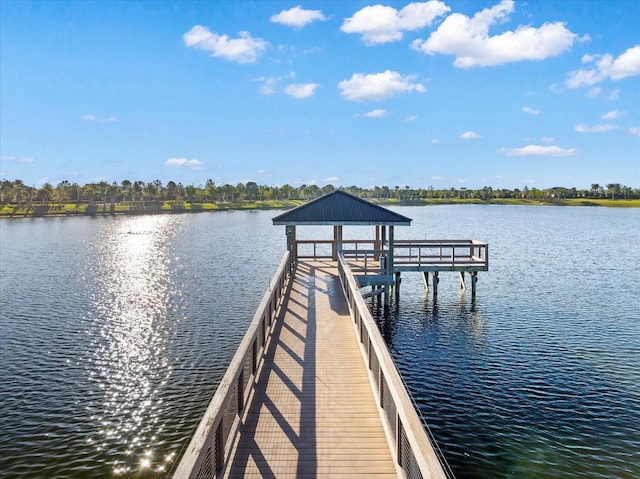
(340, 208)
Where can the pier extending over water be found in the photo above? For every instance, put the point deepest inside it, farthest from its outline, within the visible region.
(312, 390)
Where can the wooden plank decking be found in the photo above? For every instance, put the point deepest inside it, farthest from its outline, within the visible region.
(312, 413)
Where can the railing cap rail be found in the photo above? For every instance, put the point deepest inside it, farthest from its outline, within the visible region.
(193, 455)
(421, 445)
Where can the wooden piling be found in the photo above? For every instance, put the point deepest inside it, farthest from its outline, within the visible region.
(474, 280)
(436, 280)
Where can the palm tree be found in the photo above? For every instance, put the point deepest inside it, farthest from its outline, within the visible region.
(313, 191)
(326, 189)
(126, 189)
(75, 192)
(190, 192)
(210, 187)
(16, 192)
(46, 192)
(251, 188)
(5, 189)
(171, 190)
(61, 194)
(614, 189)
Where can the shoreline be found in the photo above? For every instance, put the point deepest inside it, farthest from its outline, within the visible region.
(180, 207)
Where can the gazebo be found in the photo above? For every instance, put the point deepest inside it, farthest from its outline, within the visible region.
(339, 209)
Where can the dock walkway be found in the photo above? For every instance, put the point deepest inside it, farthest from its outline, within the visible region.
(311, 391)
(312, 412)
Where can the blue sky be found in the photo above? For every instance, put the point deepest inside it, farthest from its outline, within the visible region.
(443, 94)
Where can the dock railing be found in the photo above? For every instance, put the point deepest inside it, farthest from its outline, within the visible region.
(318, 250)
(441, 254)
(410, 445)
(208, 450)
(315, 250)
(419, 255)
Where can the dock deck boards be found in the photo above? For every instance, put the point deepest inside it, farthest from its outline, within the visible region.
(312, 413)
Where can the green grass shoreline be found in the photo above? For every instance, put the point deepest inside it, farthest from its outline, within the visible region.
(158, 207)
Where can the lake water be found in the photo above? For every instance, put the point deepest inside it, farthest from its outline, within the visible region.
(115, 331)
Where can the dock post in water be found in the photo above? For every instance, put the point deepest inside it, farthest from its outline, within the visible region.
(436, 280)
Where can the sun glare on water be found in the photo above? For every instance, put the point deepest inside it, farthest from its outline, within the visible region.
(131, 296)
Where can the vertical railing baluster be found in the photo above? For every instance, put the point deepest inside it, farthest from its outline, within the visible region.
(219, 446)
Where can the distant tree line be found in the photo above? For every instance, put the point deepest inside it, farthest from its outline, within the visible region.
(17, 193)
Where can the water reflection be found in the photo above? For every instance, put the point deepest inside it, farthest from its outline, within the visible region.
(538, 379)
(455, 315)
(131, 300)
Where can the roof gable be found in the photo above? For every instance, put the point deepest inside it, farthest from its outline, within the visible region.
(340, 208)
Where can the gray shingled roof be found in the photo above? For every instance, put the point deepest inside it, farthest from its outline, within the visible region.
(340, 208)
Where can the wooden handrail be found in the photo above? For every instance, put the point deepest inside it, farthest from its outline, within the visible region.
(448, 252)
(411, 447)
(208, 448)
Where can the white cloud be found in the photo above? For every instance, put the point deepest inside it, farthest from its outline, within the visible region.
(469, 135)
(184, 163)
(469, 40)
(594, 92)
(268, 86)
(379, 113)
(331, 179)
(606, 67)
(586, 59)
(582, 128)
(244, 49)
(538, 150)
(555, 89)
(410, 118)
(548, 140)
(25, 159)
(297, 17)
(435, 141)
(613, 115)
(381, 24)
(378, 86)
(530, 111)
(614, 94)
(110, 119)
(634, 130)
(299, 90)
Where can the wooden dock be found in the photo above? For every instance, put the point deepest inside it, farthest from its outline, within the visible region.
(311, 391)
(382, 267)
(312, 413)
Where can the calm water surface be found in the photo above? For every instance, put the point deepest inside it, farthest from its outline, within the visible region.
(540, 376)
(115, 331)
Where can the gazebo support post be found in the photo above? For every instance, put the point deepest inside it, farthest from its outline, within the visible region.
(336, 246)
(292, 245)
